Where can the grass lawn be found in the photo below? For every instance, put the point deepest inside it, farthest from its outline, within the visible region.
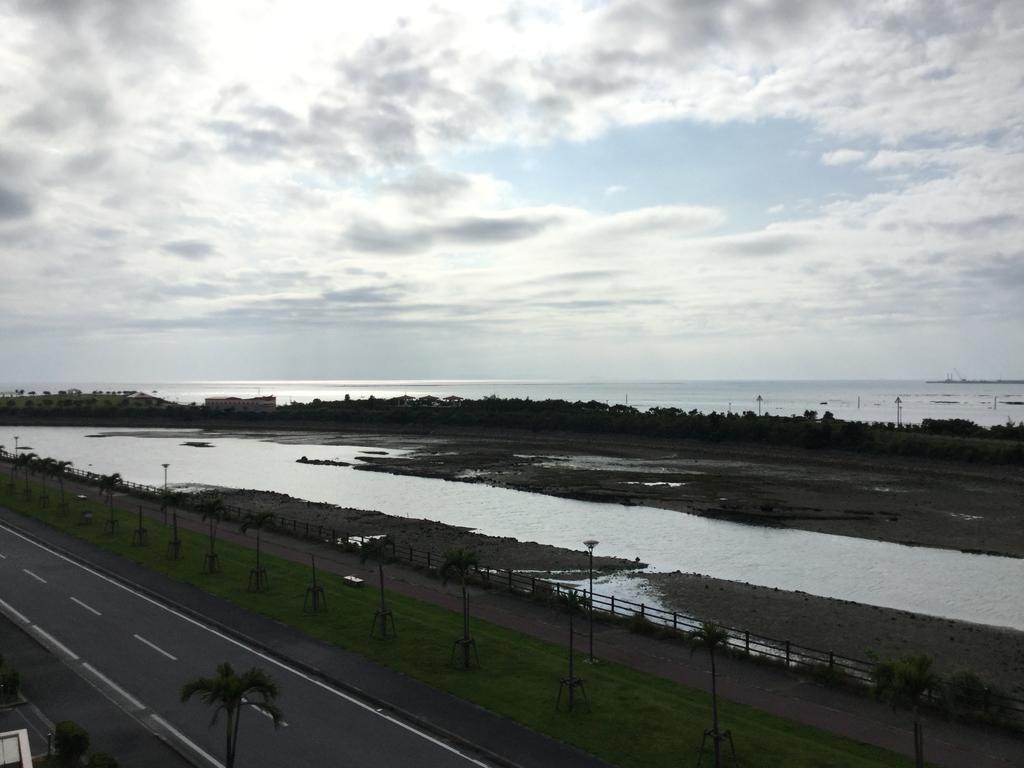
(636, 719)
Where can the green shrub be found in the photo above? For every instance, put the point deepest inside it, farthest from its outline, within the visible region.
(965, 692)
(71, 740)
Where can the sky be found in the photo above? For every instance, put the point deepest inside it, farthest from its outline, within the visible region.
(660, 190)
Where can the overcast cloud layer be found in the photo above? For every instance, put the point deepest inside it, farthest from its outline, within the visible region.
(232, 190)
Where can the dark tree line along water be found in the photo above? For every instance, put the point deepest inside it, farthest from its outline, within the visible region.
(954, 439)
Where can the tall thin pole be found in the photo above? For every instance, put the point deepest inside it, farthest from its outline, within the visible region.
(165, 466)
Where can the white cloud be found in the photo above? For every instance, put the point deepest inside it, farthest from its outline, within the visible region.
(235, 168)
(843, 157)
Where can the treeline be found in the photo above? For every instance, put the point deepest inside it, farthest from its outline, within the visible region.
(955, 439)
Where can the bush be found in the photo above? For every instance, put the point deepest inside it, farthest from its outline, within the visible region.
(965, 692)
(101, 760)
(71, 741)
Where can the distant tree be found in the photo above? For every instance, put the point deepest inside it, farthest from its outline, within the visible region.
(211, 508)
(229, 692)
(711, 637)
(108, 484)
(461, 563)
(903, 682)
(60, 469)
(572, 602)
(257, 520)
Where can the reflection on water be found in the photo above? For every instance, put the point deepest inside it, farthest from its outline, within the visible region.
(939, 582)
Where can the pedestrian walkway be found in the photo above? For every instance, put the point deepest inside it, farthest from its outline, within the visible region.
(766, 687)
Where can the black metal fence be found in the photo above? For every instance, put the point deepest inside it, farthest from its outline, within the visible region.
(644, 617)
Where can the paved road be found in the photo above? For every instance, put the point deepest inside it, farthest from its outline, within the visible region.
(56, 692)
(141, 652)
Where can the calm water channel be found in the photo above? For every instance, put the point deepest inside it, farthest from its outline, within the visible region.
(975, 588)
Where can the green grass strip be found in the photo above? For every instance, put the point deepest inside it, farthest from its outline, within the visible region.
(636, 719)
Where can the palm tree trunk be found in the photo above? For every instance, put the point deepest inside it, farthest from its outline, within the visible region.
(257, 555)
(714, 710)
(918, 740)
(572, 670)
(465, 612)
(232, 734)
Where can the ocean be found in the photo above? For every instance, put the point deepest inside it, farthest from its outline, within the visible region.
(858, 400)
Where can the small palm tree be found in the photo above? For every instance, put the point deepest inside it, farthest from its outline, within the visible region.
(903, 683)
(461, 563)
(172, 499)
(228, 692)
(108, 484)
(572, 601)
(27, 462)
(212, 509)
(257, 520)
(60, 468)
(712, 637)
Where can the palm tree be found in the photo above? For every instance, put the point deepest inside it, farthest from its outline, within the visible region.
(173, 499)
(257, 576)
(383, 617)
(461, 562)
(108, 484)
(903, 683)
(711, 637)
(60, 468)
(573, 602)
(27, 461)
(228, 692)
(46, 466)
(212, 509)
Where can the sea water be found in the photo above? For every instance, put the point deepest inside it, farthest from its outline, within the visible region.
(871, 401)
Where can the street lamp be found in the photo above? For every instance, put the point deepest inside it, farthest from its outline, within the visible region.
(590, 544)
(15, 446)
(165, 466)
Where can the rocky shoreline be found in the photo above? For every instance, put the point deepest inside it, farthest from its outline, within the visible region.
(427, 535)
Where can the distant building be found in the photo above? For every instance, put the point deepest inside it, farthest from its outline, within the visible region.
(453, 400)
(264, 404)
(141, 398)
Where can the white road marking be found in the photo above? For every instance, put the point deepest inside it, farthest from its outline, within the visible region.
(3, 557)
(253, 651)
(87, 607)
(263, 712)
(34, 576)
(155, 647)
(54, 641)
(182, 737)
(111, 684)
(17, 614)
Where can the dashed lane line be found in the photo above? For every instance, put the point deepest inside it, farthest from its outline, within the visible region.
(35, 576)
(86, 606)
(155, 647)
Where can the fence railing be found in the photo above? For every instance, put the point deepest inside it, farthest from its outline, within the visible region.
(785, 652)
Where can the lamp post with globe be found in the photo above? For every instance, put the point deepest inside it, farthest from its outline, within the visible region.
(590, 544)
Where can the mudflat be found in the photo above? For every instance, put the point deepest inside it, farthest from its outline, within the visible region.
(924, 502)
